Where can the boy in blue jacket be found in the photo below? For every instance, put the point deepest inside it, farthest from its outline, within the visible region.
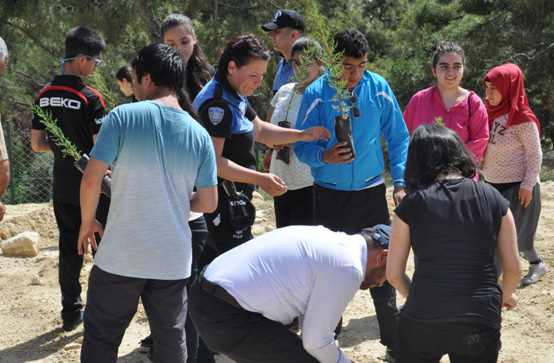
(350, 191)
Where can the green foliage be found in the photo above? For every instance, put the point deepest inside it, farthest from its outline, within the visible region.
(55, 133)
(434, 13)
(491, 32)
(402, 35)
(35, 184)
(98, 83)
(547, 175)
(332, 60)
(31, 173)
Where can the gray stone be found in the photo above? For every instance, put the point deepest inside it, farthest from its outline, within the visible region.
(35, 280)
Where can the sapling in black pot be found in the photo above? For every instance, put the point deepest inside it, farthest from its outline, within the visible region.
(332, 61)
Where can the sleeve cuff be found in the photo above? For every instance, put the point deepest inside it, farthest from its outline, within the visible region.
(320, 157)
(399, 183)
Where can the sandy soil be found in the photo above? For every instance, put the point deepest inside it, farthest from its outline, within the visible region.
(30, 327)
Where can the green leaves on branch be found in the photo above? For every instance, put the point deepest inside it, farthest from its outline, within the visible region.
(98, 83)
(332, 60)
(56, 134)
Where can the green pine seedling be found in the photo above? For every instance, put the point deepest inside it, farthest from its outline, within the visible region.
(66, 146)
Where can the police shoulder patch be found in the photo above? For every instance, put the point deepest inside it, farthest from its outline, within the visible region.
(216, 114)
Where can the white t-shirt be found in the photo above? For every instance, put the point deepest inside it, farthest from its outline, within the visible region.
(296, 174)
(309, 272)
(159, 154)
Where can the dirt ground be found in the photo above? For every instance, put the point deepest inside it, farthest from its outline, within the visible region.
(30, 327)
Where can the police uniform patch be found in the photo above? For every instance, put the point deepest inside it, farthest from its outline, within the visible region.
(216, 114)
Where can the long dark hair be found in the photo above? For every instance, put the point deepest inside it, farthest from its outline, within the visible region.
(197, 69)
(242, 49)
(433, 150)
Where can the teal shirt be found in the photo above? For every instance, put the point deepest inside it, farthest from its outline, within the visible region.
(159, 154)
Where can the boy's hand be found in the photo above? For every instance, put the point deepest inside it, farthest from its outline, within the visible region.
(86, 235)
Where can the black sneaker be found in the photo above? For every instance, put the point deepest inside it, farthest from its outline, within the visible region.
(146, 344)
(71, 324)
(390, 355)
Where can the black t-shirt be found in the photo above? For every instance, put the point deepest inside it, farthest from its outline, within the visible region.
(79, 111)
(454, 226)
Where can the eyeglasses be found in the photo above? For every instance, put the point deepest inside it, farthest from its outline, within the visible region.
(372, 232)
(356, 112)
(97, 64)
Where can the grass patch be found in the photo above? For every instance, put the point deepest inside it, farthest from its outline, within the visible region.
(546, 175)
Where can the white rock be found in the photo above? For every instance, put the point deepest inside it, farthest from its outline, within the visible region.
(256, 195)
(35, 280)
(257, 230)
(25, 244)
(72, 346)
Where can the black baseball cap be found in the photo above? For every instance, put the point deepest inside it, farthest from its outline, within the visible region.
(285, 18)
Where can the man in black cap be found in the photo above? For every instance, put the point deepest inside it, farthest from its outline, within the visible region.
(287, 26)
(308, 272)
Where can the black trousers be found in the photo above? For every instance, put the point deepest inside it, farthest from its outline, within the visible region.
(425, 342)
(295, 207)
(68, 218)
(199, 231)
(349, 212)
(222, 237)
(243, 336)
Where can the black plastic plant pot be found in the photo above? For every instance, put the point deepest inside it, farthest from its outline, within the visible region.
(343, 130)
(81, 164)
(284, 153)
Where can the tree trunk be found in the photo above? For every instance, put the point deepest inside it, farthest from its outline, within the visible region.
(152, 24)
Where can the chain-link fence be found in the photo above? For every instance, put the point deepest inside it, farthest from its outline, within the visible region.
(30, 172)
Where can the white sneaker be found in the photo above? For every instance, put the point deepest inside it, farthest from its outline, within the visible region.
(536, 271)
